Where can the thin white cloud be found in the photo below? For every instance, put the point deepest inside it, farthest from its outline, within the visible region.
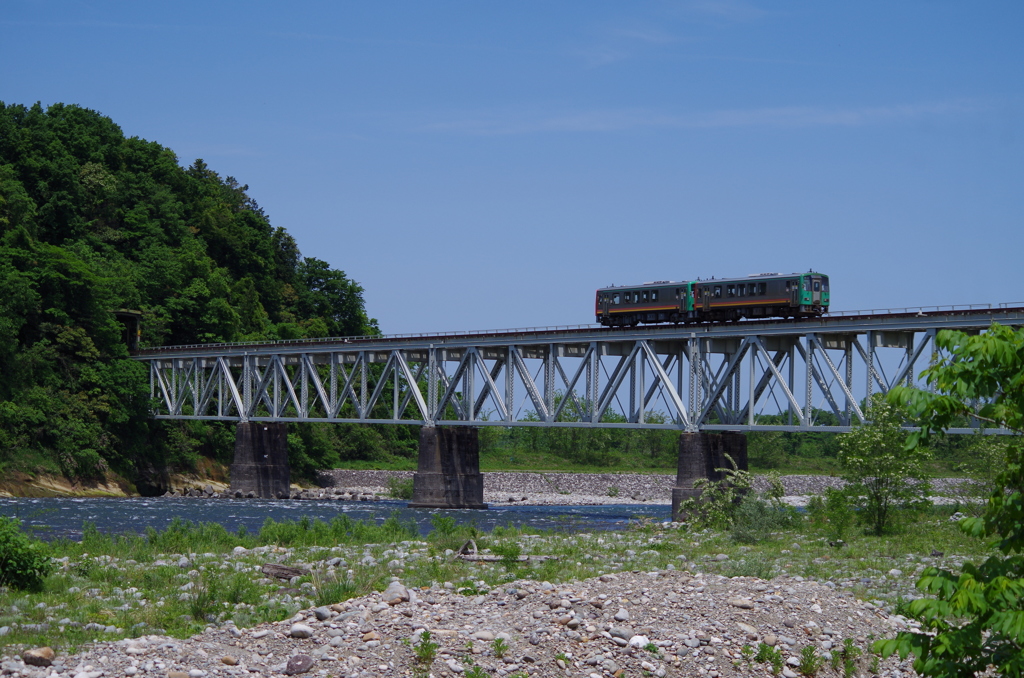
(620, 120)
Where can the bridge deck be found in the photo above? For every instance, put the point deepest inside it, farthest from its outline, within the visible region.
(801, 375)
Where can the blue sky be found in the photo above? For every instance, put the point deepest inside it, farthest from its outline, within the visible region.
(488, 165)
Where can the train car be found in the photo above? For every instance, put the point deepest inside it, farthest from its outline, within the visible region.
(766, 295)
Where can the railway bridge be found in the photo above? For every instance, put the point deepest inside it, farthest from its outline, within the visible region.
(711, 382)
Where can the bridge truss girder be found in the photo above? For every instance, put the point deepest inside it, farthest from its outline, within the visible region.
(658, 378)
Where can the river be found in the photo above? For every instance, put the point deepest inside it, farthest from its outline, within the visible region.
(63, 517)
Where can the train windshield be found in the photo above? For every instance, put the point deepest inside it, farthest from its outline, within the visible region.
(824, 284)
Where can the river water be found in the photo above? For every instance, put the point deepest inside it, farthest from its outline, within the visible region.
(63, 517)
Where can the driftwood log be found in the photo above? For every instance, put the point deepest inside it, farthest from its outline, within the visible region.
(468, 553)
(283, 571)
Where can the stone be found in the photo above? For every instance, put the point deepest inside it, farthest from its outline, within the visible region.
(742, 603)
(482, 635)
(371, 635)
(639, 641)
(746, 628)
(622, 615)
(770, 639)
(229, 660)
(721, 557)
(38, 656)
(300, 663)
(323, 613)
(196, 673)
(170, 674)
(395, 594)
(300, 631)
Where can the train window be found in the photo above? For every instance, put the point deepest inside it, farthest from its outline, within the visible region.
(824, 285)
(730, 290)
(807, 284)
(762, 288)
(645, 295)
(718, 291)
(741, 290)
(654, 295)
(817, 286)
(615, 298)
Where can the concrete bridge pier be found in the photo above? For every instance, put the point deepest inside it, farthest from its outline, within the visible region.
(448, 475)
(699, 455)
(261, 460)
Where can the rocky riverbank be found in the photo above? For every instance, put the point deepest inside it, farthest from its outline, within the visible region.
(660, 622)
(544, 488)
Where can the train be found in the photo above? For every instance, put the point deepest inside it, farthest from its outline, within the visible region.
(764, 295)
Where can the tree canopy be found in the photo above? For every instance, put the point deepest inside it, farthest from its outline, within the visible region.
(974, 620)
(91, 222)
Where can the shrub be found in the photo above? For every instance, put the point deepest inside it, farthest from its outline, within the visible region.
(883, 476)
(756, 519)
(24, 562)
(400, 488)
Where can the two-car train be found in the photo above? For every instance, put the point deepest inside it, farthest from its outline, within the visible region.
(767, 295)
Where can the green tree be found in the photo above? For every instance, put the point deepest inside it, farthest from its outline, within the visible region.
(975, 619)
(883, 476)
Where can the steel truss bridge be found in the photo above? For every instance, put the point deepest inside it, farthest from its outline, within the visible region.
(781, 375)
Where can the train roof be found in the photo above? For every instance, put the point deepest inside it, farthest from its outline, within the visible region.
(674, 283)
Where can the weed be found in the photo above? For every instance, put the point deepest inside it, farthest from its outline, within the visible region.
(846, 657)
(426, 649)
(509, 552)
(766, 654)
(476, 671)
(810, 661)
(613, 491)
(748, 653)
(330, 591)
(500, 647)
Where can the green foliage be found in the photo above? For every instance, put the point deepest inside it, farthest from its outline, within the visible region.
(766, 654)
(832, 510)
(755, 519)
(810, 661)
(509, 552)
(499, 647)
(845, 658)
(719, 500)
(613, 491)
(400, 488)
(425, 649)
(24, 562)
(92, 222)
(975, 619)
(883, 476)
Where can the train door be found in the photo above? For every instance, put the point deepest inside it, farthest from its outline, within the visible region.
(816, 290)
(605, 303)
(706, 298)
(794, 291)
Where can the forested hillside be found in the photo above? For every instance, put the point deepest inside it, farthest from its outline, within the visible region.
(91, 222)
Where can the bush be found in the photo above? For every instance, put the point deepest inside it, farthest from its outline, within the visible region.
(400, 488)
(755, 519)
(24, 562)
(883, 475)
